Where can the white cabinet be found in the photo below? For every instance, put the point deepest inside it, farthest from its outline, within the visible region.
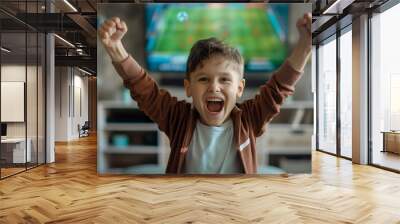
(128, 141)
(16, 146)
(286, 142)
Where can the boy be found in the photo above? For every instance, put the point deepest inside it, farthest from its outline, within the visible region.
(214, 135)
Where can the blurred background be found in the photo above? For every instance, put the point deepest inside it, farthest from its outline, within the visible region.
(159, 37)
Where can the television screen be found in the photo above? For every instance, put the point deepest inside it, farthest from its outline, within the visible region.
(258, 31)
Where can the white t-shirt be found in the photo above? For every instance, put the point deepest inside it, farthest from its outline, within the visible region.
(212, 150)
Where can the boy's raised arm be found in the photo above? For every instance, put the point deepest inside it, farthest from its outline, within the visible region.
(302, 50)
(299, 56)
(111, 33)
(158, 104)
(267, 104)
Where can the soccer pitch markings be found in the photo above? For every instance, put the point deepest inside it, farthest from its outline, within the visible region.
(247, 29)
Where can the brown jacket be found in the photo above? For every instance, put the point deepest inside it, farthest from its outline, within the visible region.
(178, 118)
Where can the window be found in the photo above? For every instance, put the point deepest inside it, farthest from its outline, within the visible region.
(346, 94)
(385, 89)
(327, 96)
(22, 67)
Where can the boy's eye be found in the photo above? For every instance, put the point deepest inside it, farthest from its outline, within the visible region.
(225, 79)
(202, 79)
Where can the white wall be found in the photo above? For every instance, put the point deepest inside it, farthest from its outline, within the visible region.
(16, 73)
(62, 81)
(33, 127)
(71, 88)
(80, 94)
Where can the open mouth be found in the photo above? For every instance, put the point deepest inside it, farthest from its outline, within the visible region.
(215, 105)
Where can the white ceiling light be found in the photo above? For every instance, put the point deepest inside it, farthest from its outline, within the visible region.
(337, 7)
(80, 51)
(71, 6)
(5, 50)
(65, 41)
(84, 71)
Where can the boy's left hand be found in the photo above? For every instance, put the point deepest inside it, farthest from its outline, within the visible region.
(304, 27)
(302, 50)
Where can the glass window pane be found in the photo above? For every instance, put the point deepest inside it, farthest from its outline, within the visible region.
(385, 89)
(327, 97)
(13, 86)
(31, 97)
(346, 94)
(22, 71)
(41, 99)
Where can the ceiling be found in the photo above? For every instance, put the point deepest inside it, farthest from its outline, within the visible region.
(76, 24)
(331, 15)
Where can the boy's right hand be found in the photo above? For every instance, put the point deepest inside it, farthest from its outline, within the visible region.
(111, 33)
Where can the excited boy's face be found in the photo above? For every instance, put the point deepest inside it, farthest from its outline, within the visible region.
(215, 86)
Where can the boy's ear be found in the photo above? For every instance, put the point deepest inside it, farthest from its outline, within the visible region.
(242, 83)
(186, 84)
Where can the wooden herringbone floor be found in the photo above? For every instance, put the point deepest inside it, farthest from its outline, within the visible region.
(70, 191)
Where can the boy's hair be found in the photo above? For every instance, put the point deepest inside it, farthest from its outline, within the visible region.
(205, 48)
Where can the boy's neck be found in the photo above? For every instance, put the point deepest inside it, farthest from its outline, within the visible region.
(225, 121)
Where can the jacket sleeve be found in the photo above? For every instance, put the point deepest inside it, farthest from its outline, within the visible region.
(156, 103)
(266, 105)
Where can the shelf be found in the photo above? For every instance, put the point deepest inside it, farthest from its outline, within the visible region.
(288, 150)
(118, 105)
(129, 142)
(298, 104)
(287, 126)
(131, 127)
(132, 150)
(119, 118)
(140, 169)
